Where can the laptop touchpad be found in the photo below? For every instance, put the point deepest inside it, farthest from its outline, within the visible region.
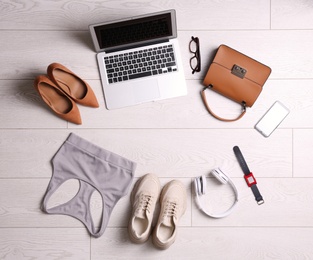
(146, 90)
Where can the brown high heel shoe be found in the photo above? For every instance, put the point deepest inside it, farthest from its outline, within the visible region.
(72, 85)
(59, 103)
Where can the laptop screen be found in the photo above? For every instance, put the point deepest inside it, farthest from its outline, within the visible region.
(135, 31)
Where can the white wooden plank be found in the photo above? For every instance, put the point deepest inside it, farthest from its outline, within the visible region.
(302, 152)
(287, 204)
(175, 138)
(211, 243)
(285, 207)
(28, 153)
(21, 202)
(56, 243)
(25, 54)
(284, 51)
(190, 112)
(69, 15)
(172, 153)
(21, 205)
(287, 56)
(288, 14)
(22, 107)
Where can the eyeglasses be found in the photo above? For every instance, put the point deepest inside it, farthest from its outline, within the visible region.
(195, 61)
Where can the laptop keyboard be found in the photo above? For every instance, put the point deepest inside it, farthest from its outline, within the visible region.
(142, 63)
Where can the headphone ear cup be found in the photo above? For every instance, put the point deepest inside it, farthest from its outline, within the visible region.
(220, 175)
(200, 185)
(196, 185)
(203, 185)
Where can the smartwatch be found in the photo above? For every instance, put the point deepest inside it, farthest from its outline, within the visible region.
(248, 175)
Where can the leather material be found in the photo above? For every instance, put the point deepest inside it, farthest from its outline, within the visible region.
(215, 115)
(76, 88)
(56, 99)
(241, 90)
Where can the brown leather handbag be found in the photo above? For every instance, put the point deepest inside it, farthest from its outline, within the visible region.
(235, 76)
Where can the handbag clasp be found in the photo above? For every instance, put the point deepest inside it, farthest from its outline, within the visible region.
(238, 71)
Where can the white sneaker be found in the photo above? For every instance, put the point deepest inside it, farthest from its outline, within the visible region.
(144, 196)
(173, 201)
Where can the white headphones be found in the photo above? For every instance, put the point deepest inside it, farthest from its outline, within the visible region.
(200, 189)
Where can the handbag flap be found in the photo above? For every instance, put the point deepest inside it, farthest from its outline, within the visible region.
(254, 70)
(228, 85)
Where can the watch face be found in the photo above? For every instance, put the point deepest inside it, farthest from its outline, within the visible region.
(250, 179)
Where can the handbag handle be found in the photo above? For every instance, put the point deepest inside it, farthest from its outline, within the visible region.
(216, 116)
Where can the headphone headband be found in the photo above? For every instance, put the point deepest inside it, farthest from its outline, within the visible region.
(200, 187)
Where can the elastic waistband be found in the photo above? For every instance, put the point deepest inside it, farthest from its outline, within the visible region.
(101, 153)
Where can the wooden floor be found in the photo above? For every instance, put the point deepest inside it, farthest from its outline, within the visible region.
(175, 138)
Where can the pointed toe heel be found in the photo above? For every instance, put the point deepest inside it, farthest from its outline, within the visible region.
(57, 101)
(76, 88)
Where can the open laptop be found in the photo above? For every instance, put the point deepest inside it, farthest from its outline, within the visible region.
(139, 59)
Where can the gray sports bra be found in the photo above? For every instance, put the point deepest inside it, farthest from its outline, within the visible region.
(96, 169)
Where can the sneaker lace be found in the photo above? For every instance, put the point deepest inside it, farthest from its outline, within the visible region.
(170, 209)
(145, 203)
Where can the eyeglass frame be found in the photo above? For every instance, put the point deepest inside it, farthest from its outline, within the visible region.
(196, 55)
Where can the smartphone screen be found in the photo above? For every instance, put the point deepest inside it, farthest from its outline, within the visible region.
(272, 118)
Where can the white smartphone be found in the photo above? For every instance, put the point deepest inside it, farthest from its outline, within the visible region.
(272, 118)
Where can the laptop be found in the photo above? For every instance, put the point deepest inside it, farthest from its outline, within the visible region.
(139, 59)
